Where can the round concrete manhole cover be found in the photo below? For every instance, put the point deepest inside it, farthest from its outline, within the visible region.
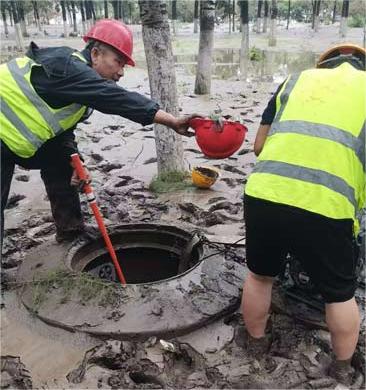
(175, 283)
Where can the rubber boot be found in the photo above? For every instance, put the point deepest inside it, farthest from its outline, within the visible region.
(65, 207)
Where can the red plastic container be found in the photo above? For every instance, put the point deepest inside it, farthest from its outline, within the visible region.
(216, 142)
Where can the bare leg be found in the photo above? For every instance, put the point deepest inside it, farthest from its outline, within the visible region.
(256, 301)
(343, 320)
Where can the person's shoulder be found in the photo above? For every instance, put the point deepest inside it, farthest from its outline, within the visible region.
(56, 61)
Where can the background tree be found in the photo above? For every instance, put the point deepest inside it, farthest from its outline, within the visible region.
(288, 14)
(343, 24)
(21, 16)
(73, 12)
(244, 46)
(106, 9)
(272, 30)
(265, 17)
(174, 15)
(64, 18)
(18, 31)
(334, 11)
(196, 16)
(36, 15)
(160, 65)
(259, 16)
(316, 11)
(3, 7)
(207, 24)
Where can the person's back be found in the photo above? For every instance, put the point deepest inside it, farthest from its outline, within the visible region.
(314, 154)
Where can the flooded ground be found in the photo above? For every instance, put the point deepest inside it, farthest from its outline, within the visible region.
(121, 157)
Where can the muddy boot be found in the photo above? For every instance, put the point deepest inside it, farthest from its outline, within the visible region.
(341, 371)
(255, 347)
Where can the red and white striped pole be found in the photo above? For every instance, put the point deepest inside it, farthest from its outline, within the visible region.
(78, 166)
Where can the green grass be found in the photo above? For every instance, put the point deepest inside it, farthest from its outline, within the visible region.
(81, 286)
(170, 181)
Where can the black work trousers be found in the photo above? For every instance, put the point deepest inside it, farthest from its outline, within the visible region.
(56, 172)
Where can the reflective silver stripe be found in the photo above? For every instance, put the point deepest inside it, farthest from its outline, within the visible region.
(285, 94)
(362, 138)
(38, 103)
(309, 175)
(19, 125)
(67, 111)
(357, 144)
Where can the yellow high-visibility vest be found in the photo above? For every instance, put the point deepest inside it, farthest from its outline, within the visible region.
(314, 155)
(26, 120)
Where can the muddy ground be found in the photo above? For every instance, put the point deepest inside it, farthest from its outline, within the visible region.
(121, 157)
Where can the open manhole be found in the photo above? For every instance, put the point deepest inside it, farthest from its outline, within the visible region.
(146, 254)
(176, 283)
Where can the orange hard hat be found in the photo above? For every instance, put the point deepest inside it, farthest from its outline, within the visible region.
(343, 52)
(216, 142)
(113, 33)
(204, 176)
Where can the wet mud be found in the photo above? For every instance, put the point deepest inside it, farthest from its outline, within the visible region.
(121, 158)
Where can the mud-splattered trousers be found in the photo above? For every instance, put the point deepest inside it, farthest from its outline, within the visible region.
(54, 163)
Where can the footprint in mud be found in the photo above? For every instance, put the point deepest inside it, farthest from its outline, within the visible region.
(151, 160)
(97, 157)
(231, 208)
(217, 199)
(22, 178)
(232, 182)
(149, 136)
(107, 167)
(145, 129)
(14, 201)
(230, 168)
(109, 147)
(244, 151)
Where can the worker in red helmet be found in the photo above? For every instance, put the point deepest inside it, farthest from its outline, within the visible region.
(305, 194)
(46, 93)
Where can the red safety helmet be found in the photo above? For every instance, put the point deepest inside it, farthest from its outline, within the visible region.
(216, 142)
(113, 33)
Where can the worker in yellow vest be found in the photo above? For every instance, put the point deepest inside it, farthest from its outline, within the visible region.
(305, 194)
(47, 92)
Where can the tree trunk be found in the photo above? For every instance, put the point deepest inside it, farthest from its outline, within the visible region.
(106, 9)
(82, 11)
(195, 16)
(75, 27)
(234, 14)
(272, 30)
(3, 15)
(343, 25)
(229, 14)
(334, 11)
(92, 10)
(207, 25)
(160, 65)
(18, 31)
(288, 13)
(316, 11)
(265, 19)
(244, 46)
(36, 15)
(21, 17)
(64, 19)
(259, 16)
(174, 15)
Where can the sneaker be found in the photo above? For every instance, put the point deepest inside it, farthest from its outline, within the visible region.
(341, 371)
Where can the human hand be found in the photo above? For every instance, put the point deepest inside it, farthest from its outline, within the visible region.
(183, 124)
(76, 182)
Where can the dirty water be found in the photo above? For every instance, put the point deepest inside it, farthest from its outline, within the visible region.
(121, 157)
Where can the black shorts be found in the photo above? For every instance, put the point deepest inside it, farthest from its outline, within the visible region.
(324, 246)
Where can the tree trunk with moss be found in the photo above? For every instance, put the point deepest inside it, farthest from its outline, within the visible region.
(160, 65)
(207, 24)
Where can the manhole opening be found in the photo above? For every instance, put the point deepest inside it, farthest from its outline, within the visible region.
(144, 256)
